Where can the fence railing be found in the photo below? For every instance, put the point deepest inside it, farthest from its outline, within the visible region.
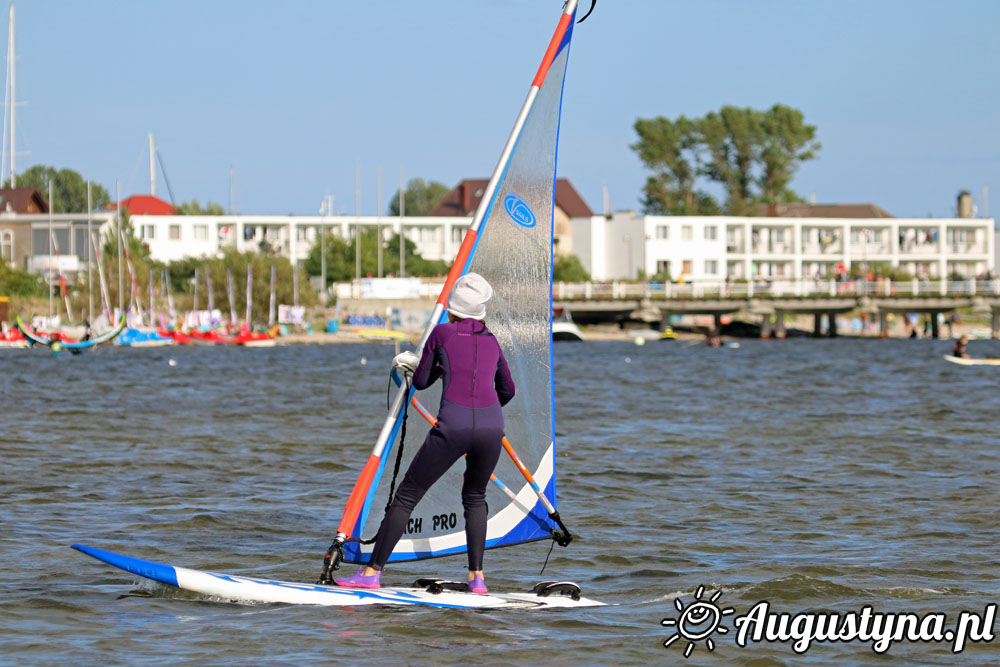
(708, 289)
(774, 288)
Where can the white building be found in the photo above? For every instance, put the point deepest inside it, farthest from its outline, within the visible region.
(172, 237)
(720, 247)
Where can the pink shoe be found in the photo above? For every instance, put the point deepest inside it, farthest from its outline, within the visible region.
(358, 580)
(477, 585)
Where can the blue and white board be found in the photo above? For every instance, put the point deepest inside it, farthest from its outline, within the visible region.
(233, 588)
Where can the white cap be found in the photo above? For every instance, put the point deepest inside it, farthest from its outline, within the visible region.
(469, 296)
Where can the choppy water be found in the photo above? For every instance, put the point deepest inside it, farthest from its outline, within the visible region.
(815, 474)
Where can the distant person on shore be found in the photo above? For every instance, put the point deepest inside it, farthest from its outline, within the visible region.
(470, 424)
(959, 349)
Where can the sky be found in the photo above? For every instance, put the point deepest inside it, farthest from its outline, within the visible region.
(293, 95)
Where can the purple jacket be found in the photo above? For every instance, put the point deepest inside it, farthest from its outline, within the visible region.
(468, 359)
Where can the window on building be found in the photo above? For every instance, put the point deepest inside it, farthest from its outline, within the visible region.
(663, 267)
(711, 232)
(174, 233)
(201, 232)
(456, 234)
(428, 234)
(149, 232)
(686, 233)
(301, 233)
(7, 245)
(779, 235)
(663, 232)
(711, 267)
(686, 266)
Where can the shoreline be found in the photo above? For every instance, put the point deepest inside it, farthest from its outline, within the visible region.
(611, 333)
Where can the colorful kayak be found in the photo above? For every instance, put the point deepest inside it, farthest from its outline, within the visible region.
(431, 593)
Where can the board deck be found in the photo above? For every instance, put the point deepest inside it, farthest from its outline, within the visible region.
(233, 588)
(988, 361)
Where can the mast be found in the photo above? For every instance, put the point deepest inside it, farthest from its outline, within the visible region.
(118, 222)
(152, 165)
(270, 312)
(12, 69)
(402, 237)
(249, 290)
(208, 288)
(378, 219)
(90, 255)
(49, 276)
(232, 302)
(357, 225)
(152, 299)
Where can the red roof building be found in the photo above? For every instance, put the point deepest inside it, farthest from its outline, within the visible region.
(465, 198)
(145, 205)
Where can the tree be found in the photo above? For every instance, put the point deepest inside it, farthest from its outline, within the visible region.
(69, 189)
(194, 208)
(788, 142)
(672, 150)
(751, 154)
(569, 269)
(419, 197)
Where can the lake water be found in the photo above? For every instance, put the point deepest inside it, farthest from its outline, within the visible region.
(818, 475)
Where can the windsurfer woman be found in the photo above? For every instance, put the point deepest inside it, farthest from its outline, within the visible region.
(470, 423)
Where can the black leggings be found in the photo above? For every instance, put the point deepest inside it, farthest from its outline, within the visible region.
(443, 446)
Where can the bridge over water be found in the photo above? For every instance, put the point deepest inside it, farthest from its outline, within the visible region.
(772, 302)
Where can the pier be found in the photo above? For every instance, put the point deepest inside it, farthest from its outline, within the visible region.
(773, 302)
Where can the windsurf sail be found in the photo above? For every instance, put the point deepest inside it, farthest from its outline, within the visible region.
(509, 242)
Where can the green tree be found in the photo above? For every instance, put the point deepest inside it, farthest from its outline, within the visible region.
(788, 142)
(419, 197)
(194, 208)
(752, 155)
(732, 138)
(569, 269)
(672, 149)
(69, 189)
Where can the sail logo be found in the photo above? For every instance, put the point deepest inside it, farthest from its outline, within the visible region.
(518, 211)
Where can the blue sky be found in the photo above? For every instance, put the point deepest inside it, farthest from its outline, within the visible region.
(904, 92)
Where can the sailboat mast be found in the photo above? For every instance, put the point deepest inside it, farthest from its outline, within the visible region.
(270, 312)
(357, 225)
(12, 71)
(249, 291)
(378, 219)
(232, 302)
(152, 165)
(90, 255)
(49, 276)
(402, 236)
(118, 223)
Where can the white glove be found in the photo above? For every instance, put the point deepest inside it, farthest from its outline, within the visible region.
(406, 362)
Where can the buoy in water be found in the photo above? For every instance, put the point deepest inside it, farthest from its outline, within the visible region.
(628, 360)
(364, 360)
(172, 362)
(639, 340)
